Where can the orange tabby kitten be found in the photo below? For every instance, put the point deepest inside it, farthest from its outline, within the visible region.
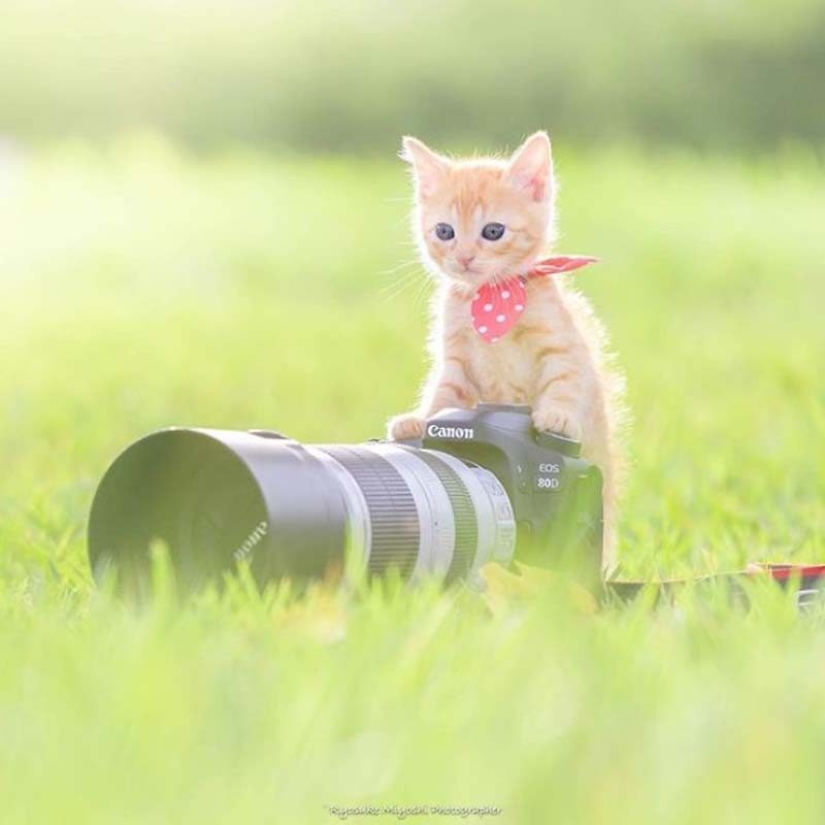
(479, 223)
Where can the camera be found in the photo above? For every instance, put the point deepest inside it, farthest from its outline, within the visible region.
(481, 485)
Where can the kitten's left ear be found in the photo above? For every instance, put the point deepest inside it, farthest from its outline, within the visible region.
(531, 167)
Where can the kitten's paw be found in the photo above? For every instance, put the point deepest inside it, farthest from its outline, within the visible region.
(405, 426)
(557, 420)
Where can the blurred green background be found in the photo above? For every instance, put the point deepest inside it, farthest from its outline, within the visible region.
(332, 76)
(203, 222)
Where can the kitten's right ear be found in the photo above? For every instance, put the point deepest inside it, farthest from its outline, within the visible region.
(429, 167)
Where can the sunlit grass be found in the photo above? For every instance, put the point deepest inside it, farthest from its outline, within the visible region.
(142, 288)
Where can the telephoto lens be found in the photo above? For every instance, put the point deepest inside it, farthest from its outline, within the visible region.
(216, 498)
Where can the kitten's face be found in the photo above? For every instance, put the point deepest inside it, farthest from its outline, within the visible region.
(483, 219)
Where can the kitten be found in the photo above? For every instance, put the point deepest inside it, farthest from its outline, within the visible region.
(482, 226)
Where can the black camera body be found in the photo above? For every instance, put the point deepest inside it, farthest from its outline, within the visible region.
(481, 485)
(556, 495)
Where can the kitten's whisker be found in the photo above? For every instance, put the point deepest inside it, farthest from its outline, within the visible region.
(397, 267)
(401, 293)
(399, 283)
(423, 293)
(400, 276)
(402, 264)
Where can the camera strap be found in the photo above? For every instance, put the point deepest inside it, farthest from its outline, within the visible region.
(807, 581)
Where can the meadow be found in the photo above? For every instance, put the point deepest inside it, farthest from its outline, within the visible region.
(143, 286)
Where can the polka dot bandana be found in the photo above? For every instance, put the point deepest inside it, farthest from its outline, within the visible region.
(497, 307)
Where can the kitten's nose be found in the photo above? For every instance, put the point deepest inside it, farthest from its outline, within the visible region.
(465, 260)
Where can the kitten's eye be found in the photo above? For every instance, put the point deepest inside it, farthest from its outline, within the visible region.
(493, 231)
(444, 232)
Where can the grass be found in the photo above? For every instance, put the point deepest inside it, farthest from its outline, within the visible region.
(142, 287)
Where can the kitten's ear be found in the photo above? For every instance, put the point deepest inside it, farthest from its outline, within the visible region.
(531, 167)
(428, 166)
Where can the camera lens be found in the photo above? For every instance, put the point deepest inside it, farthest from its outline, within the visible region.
(217, 498)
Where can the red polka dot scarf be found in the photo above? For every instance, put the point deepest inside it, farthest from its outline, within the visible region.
(497, 307)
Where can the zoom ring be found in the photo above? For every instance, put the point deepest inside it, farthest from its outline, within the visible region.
(396, 535)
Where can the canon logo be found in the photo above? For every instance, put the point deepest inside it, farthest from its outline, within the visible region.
(251, 542)
(437, 431)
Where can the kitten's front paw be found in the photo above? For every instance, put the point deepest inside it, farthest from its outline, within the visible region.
(557, 420)
(405, 426)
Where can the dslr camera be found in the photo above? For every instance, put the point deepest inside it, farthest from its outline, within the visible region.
(481, 485)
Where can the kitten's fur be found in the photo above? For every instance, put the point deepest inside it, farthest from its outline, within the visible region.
(554, 358)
